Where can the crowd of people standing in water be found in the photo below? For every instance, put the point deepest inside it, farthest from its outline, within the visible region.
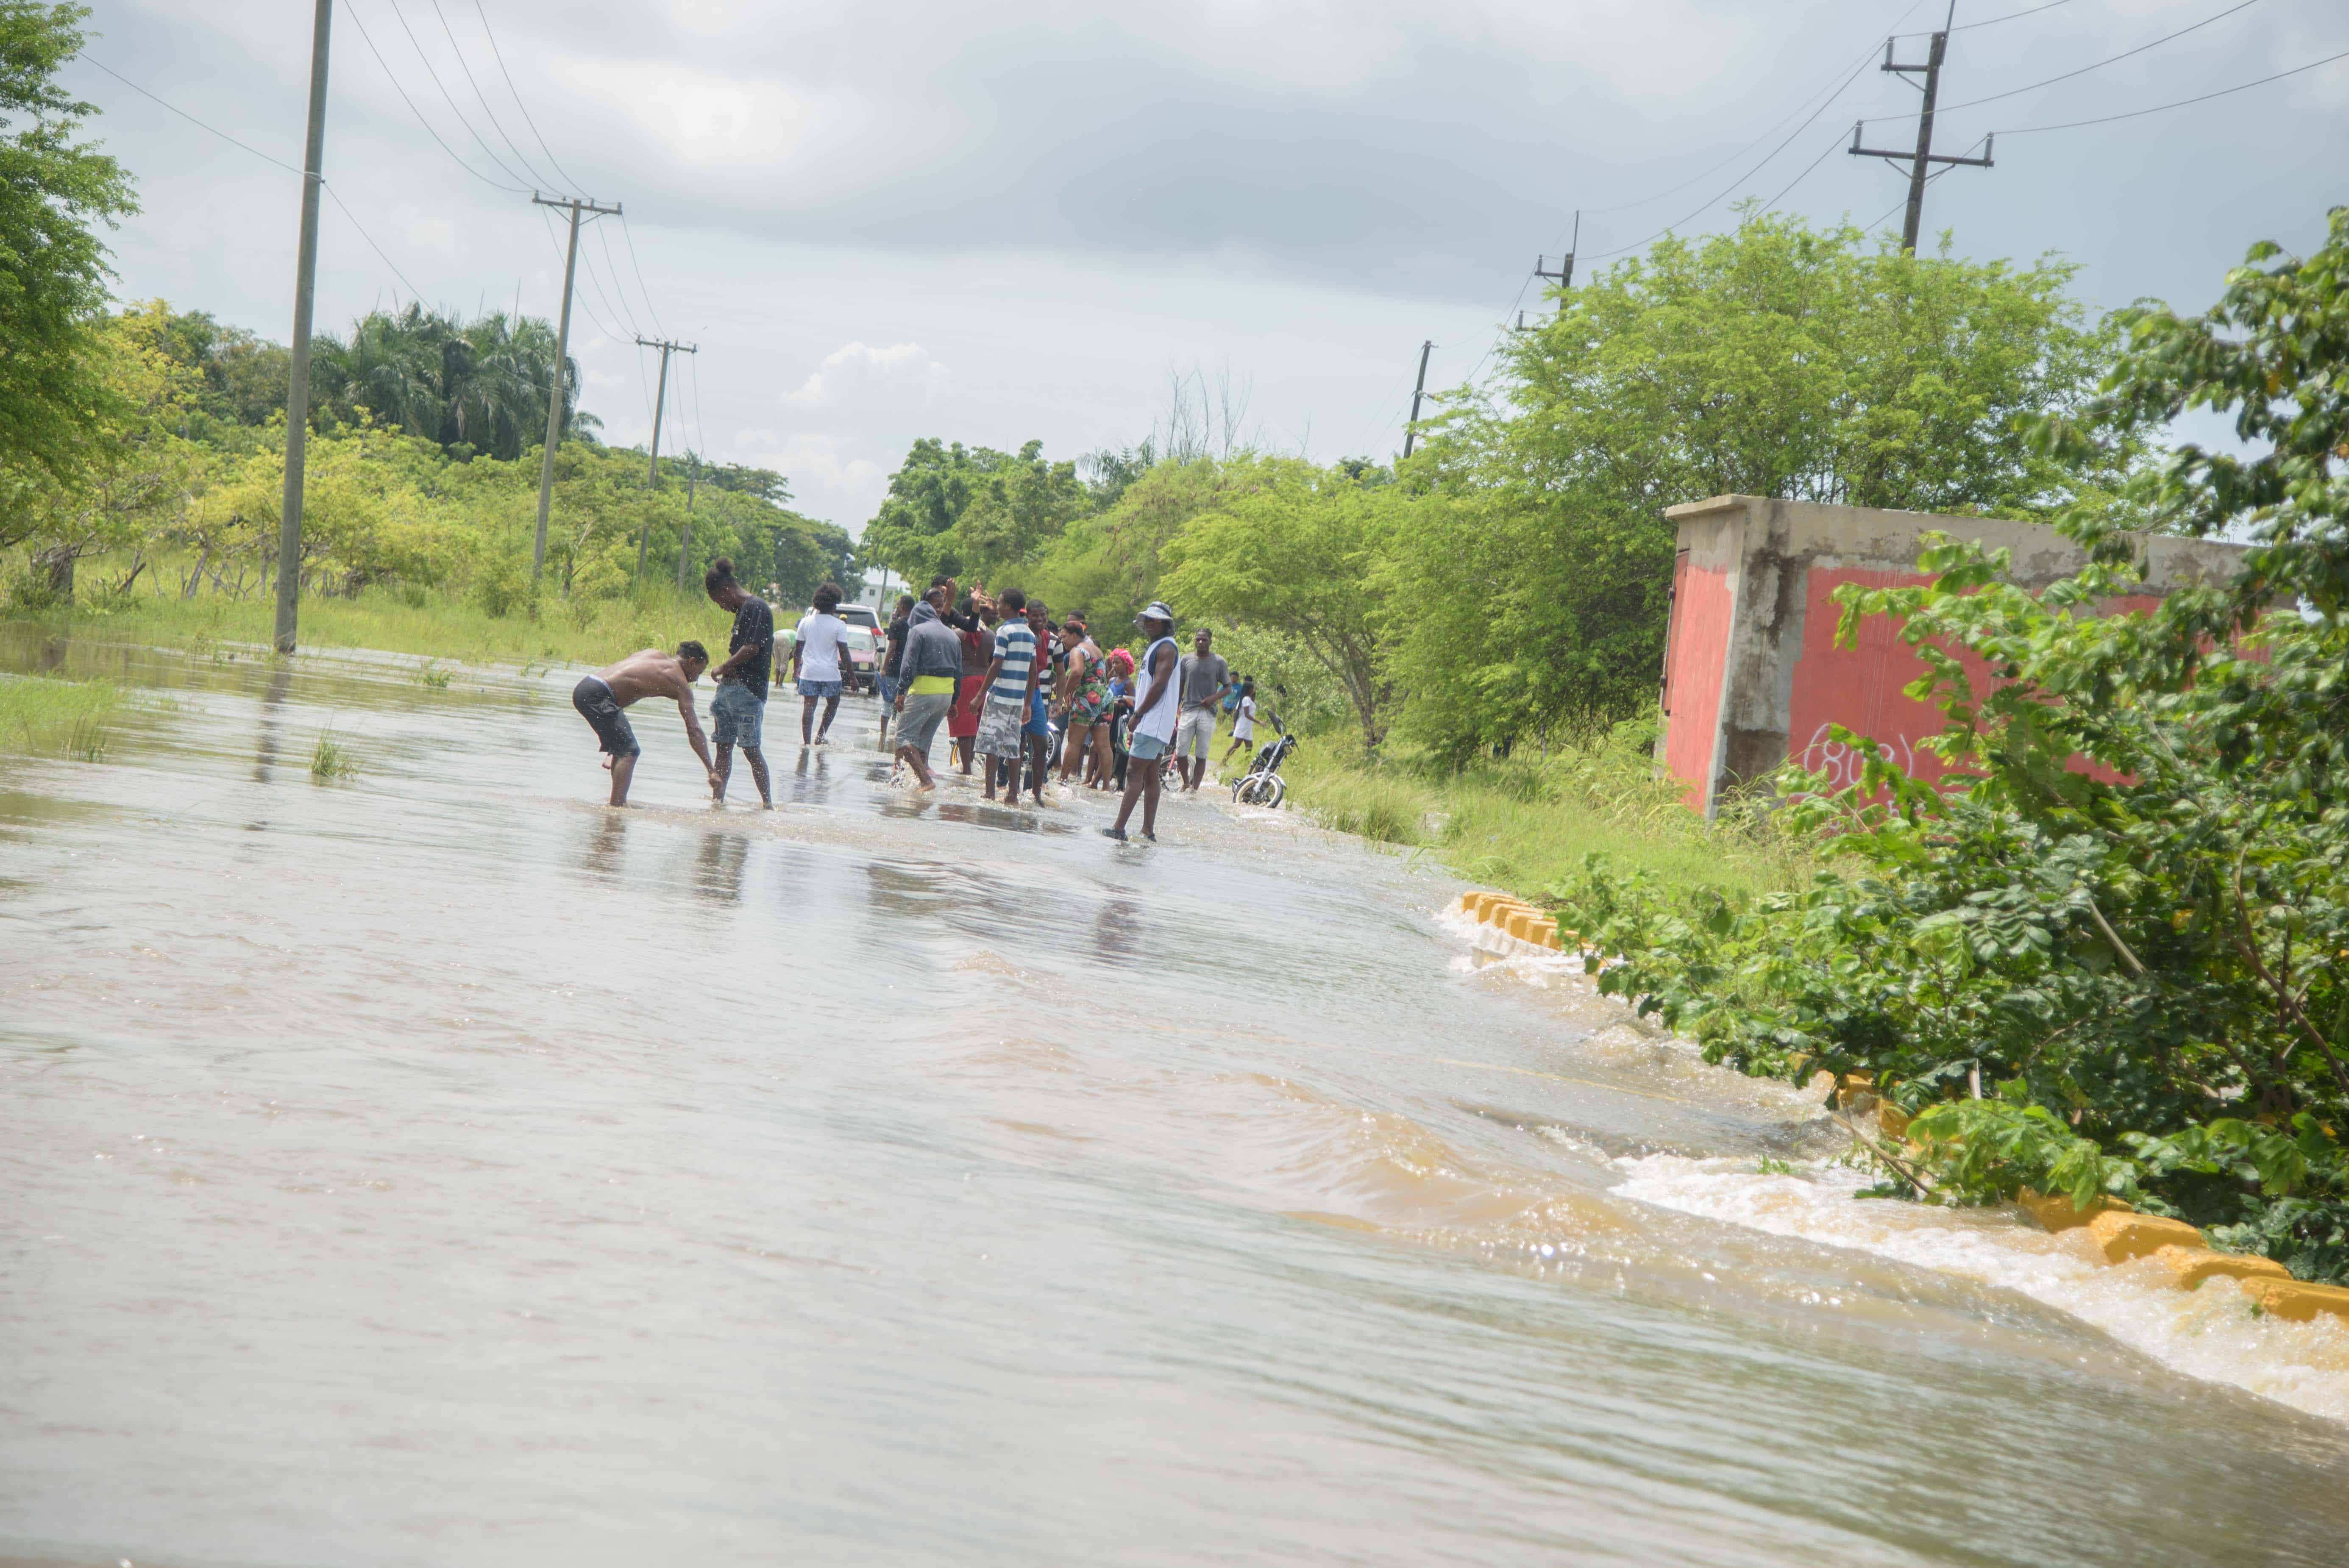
(1009, 684)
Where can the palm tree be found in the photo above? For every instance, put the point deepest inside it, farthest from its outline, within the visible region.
(481, 385)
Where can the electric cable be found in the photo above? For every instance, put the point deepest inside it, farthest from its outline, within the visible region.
(555, 243)
(629, 235)
(446, 95)
(352, 11)
(324, 184)
(1832, 148)
(1865, 56)
(459, 49)
(499, 56)
(2084, 70)
(1990, 21)
(2181, 103)
(1749, 174)
(603, 237)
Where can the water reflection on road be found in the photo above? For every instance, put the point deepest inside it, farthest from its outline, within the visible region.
(438, 1167)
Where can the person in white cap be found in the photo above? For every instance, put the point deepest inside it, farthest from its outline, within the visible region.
(1153, 735)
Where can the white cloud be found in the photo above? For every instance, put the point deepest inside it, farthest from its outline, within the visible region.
(854, 370)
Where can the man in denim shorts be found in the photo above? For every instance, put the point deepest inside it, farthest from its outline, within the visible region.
(739, 712)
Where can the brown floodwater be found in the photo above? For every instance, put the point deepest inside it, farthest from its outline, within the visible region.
(437, 1168)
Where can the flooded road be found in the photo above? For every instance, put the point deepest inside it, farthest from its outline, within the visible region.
(437, 1167)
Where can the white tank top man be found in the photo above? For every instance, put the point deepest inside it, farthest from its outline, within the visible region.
(1153, 733)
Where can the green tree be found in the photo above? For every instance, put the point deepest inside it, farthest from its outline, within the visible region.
(1776, 360)
(974, 512)
(54, 190)
(1297, 551)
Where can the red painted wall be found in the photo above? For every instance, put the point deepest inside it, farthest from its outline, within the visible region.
(1859, 687)
(1696, 655)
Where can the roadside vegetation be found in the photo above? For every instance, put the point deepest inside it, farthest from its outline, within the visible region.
(2129, 986)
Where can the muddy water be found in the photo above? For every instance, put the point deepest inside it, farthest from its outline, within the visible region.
(435, 1168)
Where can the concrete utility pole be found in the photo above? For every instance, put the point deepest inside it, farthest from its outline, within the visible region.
(297, 384)
(562, 361)
(1924, 154)
(1410, 431)
(660, 406)
(685, 544)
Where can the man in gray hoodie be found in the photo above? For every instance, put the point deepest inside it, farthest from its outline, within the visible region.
(927, 674)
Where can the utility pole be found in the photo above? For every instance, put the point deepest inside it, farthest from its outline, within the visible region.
(684, 544)
(652, 479)
(1410, 431)
(561, 362)
(297, 384)
(1563, 277)
(1924, 154)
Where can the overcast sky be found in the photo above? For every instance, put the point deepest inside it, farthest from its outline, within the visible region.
(1001, 221)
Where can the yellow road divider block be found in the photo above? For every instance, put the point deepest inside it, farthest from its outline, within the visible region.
(2121, 1236)
(2190, 1266)
(2297, 1301)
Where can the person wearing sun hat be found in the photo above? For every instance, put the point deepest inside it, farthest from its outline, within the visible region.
(1153, 735)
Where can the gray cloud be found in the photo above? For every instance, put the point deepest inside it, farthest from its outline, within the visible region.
(1056, 203)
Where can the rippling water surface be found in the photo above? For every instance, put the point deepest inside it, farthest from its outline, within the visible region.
(437, 1168)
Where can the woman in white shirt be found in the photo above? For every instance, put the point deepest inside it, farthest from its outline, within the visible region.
(820, 662)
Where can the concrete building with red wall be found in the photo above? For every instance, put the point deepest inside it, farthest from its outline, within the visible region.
(1752, 673)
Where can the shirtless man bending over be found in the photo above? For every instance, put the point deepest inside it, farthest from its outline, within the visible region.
(600, 697)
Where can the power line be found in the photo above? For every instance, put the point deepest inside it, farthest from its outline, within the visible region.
(628, 234)
(246, 147)
(2084, 70)
(521, 156)
(1808, 169)
(332, 195)
(183, 114)
(501, 58)
(446, 95)
(2181, 103)
(353, 11)
(604, 236)
(1751, 172)
(1992, 21)
(557, 244)
(1865, 56)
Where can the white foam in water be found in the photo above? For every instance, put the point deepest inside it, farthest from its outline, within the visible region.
(2207, 1333)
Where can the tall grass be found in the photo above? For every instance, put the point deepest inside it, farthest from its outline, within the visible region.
(429, 624)
(330, 759)
(62, 719)
(1522, 824)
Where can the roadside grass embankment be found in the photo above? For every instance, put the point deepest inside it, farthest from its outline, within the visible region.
(1525, 823)
(424, 622)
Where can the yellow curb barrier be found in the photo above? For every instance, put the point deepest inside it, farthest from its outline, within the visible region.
(1516, 917)
(2057, 1214)
(2297, 1301)
(2122, 1236)
(1893, 1121)
(2190, 1266)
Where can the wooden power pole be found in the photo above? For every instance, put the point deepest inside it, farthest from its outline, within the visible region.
(297, 385)
(660, 406)
(1923, 157)
(554, 420)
